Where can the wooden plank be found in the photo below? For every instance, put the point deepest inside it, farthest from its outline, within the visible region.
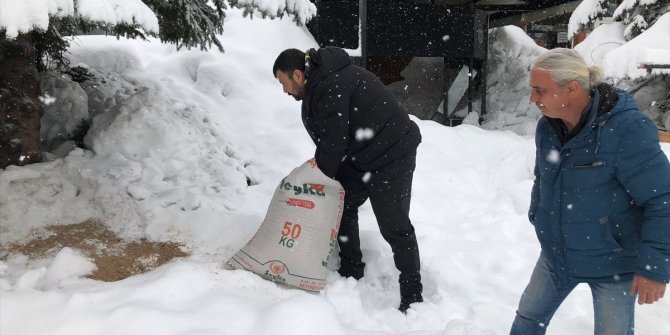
(664, 136)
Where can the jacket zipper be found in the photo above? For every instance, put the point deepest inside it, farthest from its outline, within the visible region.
(588, 165)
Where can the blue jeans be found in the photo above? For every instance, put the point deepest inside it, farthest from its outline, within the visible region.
(613, 305)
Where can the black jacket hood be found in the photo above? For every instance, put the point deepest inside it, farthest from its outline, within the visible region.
(322, 62)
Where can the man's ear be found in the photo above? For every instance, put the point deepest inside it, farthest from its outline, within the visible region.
(298, 76)
(573, 87)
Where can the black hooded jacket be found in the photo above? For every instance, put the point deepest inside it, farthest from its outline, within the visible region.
(352, 116)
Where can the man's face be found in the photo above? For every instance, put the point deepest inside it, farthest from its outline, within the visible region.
(292, 84)
(549, 97)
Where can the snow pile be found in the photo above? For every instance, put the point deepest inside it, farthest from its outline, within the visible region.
(66, 268)
(508, 87)
(63, 116)
(600, 42)
(652, 46)
(67, 264)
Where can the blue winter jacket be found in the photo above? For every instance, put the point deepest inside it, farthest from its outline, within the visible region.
(601, 202)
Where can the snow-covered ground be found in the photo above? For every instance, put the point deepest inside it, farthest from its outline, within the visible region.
(178, 136)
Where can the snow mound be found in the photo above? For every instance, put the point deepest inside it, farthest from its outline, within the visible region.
(68, 263)
(601, 41)
(651, 46)
(507, 86)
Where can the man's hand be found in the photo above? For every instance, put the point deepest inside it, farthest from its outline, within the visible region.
(648, 291)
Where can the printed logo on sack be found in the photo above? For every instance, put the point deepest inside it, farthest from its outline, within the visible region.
(277, 278)
(276, 268)
(306, 189)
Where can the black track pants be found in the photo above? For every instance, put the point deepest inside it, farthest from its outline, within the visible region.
(389, 190)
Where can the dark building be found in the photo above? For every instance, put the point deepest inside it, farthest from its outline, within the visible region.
(388, 34)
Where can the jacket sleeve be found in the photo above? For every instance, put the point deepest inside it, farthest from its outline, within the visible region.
(333, 128)
(643, 169)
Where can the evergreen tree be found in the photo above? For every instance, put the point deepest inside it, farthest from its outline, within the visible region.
(189, 23)
(638, 15)
(586, 14)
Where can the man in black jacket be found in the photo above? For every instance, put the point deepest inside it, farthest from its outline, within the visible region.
(366, 141)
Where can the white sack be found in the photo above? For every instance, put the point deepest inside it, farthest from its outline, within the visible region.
(299, 230)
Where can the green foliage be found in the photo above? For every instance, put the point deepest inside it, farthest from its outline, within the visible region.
(79, 74)
(640, 17)
(49, 50)
(189, 23)
(78, 25)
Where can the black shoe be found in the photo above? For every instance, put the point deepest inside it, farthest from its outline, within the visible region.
(407, 300)
(351, 269)
(346, 272)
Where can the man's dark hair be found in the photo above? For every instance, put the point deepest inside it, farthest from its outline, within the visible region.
(288, 61)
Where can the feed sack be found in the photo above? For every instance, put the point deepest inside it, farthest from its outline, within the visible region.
(294, 242)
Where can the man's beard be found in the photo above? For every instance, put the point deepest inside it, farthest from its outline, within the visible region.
(298, 96)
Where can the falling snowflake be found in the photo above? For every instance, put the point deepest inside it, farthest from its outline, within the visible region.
(47, 99)
(554, 156)
(364, 134)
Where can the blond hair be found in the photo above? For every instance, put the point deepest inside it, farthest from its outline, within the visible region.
(567, 65)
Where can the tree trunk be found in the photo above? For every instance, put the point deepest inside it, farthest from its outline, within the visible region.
(20, 108)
